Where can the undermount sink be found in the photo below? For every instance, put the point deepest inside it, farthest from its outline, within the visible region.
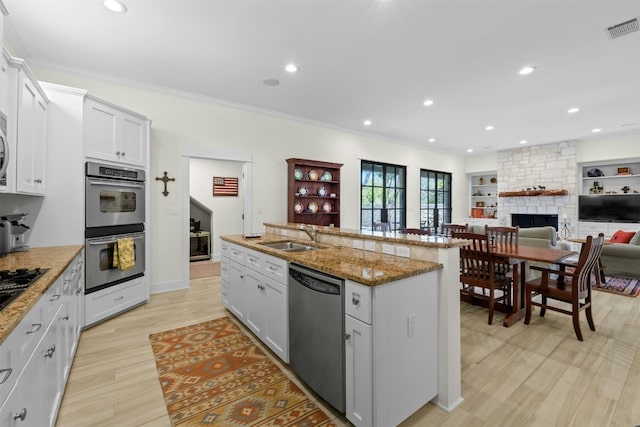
(289, 246)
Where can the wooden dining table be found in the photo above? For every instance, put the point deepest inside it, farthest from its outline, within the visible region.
(518, 256)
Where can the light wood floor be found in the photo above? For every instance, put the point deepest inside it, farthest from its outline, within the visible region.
(536, 375)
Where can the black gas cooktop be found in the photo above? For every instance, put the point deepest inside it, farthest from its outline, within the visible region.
(15, 282)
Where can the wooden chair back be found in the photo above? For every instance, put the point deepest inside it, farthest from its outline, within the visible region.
(589, 257)
(446, 229)
(500, 234)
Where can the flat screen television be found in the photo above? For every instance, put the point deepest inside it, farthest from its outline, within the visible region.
(609, 208)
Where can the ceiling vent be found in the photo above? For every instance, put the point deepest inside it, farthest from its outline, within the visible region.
(623, 28)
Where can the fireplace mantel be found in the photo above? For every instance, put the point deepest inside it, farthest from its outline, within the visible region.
(533, 193)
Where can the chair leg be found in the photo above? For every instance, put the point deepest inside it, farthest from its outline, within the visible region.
(491, 301)
(587, 312)
(576, 322)
(527, 306)
(543, 309)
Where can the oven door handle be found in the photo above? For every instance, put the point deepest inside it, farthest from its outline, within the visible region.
(106, 242)
(117, 184)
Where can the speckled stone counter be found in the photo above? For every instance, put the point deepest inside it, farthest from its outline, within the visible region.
(368, 268)
(56, 259)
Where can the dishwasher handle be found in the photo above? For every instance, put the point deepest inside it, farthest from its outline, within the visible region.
(313, 283)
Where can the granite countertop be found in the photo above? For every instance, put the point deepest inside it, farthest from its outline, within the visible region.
(56, 259)
(368, 268)
(435, 241)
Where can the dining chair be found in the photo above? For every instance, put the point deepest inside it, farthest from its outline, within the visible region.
(447, 228)
(503, 235)
(420, 231)
(570, 287)
(477, 270)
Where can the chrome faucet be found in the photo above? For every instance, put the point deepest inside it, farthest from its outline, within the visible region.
(310, 230)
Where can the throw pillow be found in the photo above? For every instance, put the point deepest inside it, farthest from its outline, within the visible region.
(622, 236)
(635, 240)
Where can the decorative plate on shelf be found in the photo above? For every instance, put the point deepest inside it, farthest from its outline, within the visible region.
(313, 175)
(297, 174)
(326, 207)
(493, 180)
(312, 207)
(322, 191)
(303, 191)
(326, 176)
(298, 208)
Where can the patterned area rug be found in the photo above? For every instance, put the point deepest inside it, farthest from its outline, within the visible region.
(211, 373)
(621, 286)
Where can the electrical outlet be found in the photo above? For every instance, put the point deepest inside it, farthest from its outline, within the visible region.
(411, 325)
(369, 245)
(357, 244)
(403, 251)
(388, 249)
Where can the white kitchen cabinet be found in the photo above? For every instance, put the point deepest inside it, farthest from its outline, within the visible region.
(108, 302)
(257, 294)
(114, 134)
(382, 322)
(4, 83)
(27, 130)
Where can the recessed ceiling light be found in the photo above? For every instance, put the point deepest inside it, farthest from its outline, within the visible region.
(469, 150)
(489, 127)
(115, 6)
(526, 70)
(428, 102)
(367, 122)
(573, 110)
(596, 130)
(291, 68)
(432, 140)
(271, 82)
(524, 141)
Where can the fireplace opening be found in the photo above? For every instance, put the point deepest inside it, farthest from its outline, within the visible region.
(534, 220)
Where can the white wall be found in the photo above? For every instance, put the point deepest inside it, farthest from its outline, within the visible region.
(180, 122)
(227, 211)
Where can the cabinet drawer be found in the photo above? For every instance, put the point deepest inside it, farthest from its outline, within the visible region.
(224, 268)
(236, 253)
(254, 260)
(357, 301)
(10, 366)
(51, 301)
(276, 269)
(107, 302)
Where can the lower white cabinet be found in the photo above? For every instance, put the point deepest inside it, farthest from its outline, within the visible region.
(384, 324)
(38, 354)
(108, 302)
(254, 289)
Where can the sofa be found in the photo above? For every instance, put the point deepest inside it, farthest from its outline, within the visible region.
(621, 255)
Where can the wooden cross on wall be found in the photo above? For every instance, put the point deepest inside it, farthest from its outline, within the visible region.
(165, 179)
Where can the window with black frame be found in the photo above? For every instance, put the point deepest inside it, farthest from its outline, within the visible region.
(435, 199)
(383, 196)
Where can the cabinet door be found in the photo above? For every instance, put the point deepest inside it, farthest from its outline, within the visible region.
(50, 354)
(30, 158)
(237, 291)
(133, 148)
(101, 131)
(359, 372)
(256, 290)
(276, 329)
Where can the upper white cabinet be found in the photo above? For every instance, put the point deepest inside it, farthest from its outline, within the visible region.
(484, 195)
(114, 134)
(26, 131)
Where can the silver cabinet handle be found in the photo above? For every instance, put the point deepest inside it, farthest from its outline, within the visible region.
(36, 327)
(65, 317)
(56, 297)
(347, 336)
(119, 298)
(78, 291)
(117, 153)
(22, 415)
(37, 181)
(355, 301)
(122, 153)
(7, 374)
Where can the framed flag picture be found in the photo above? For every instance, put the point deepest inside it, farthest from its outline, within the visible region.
(225, 186)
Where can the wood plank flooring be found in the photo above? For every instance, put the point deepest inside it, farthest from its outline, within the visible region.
(535, 375)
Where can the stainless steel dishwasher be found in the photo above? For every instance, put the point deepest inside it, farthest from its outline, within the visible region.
(316, 332)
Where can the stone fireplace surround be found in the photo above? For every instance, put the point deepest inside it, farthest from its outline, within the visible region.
(550, 165)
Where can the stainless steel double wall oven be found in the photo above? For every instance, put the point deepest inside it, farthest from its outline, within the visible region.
(114, 209)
